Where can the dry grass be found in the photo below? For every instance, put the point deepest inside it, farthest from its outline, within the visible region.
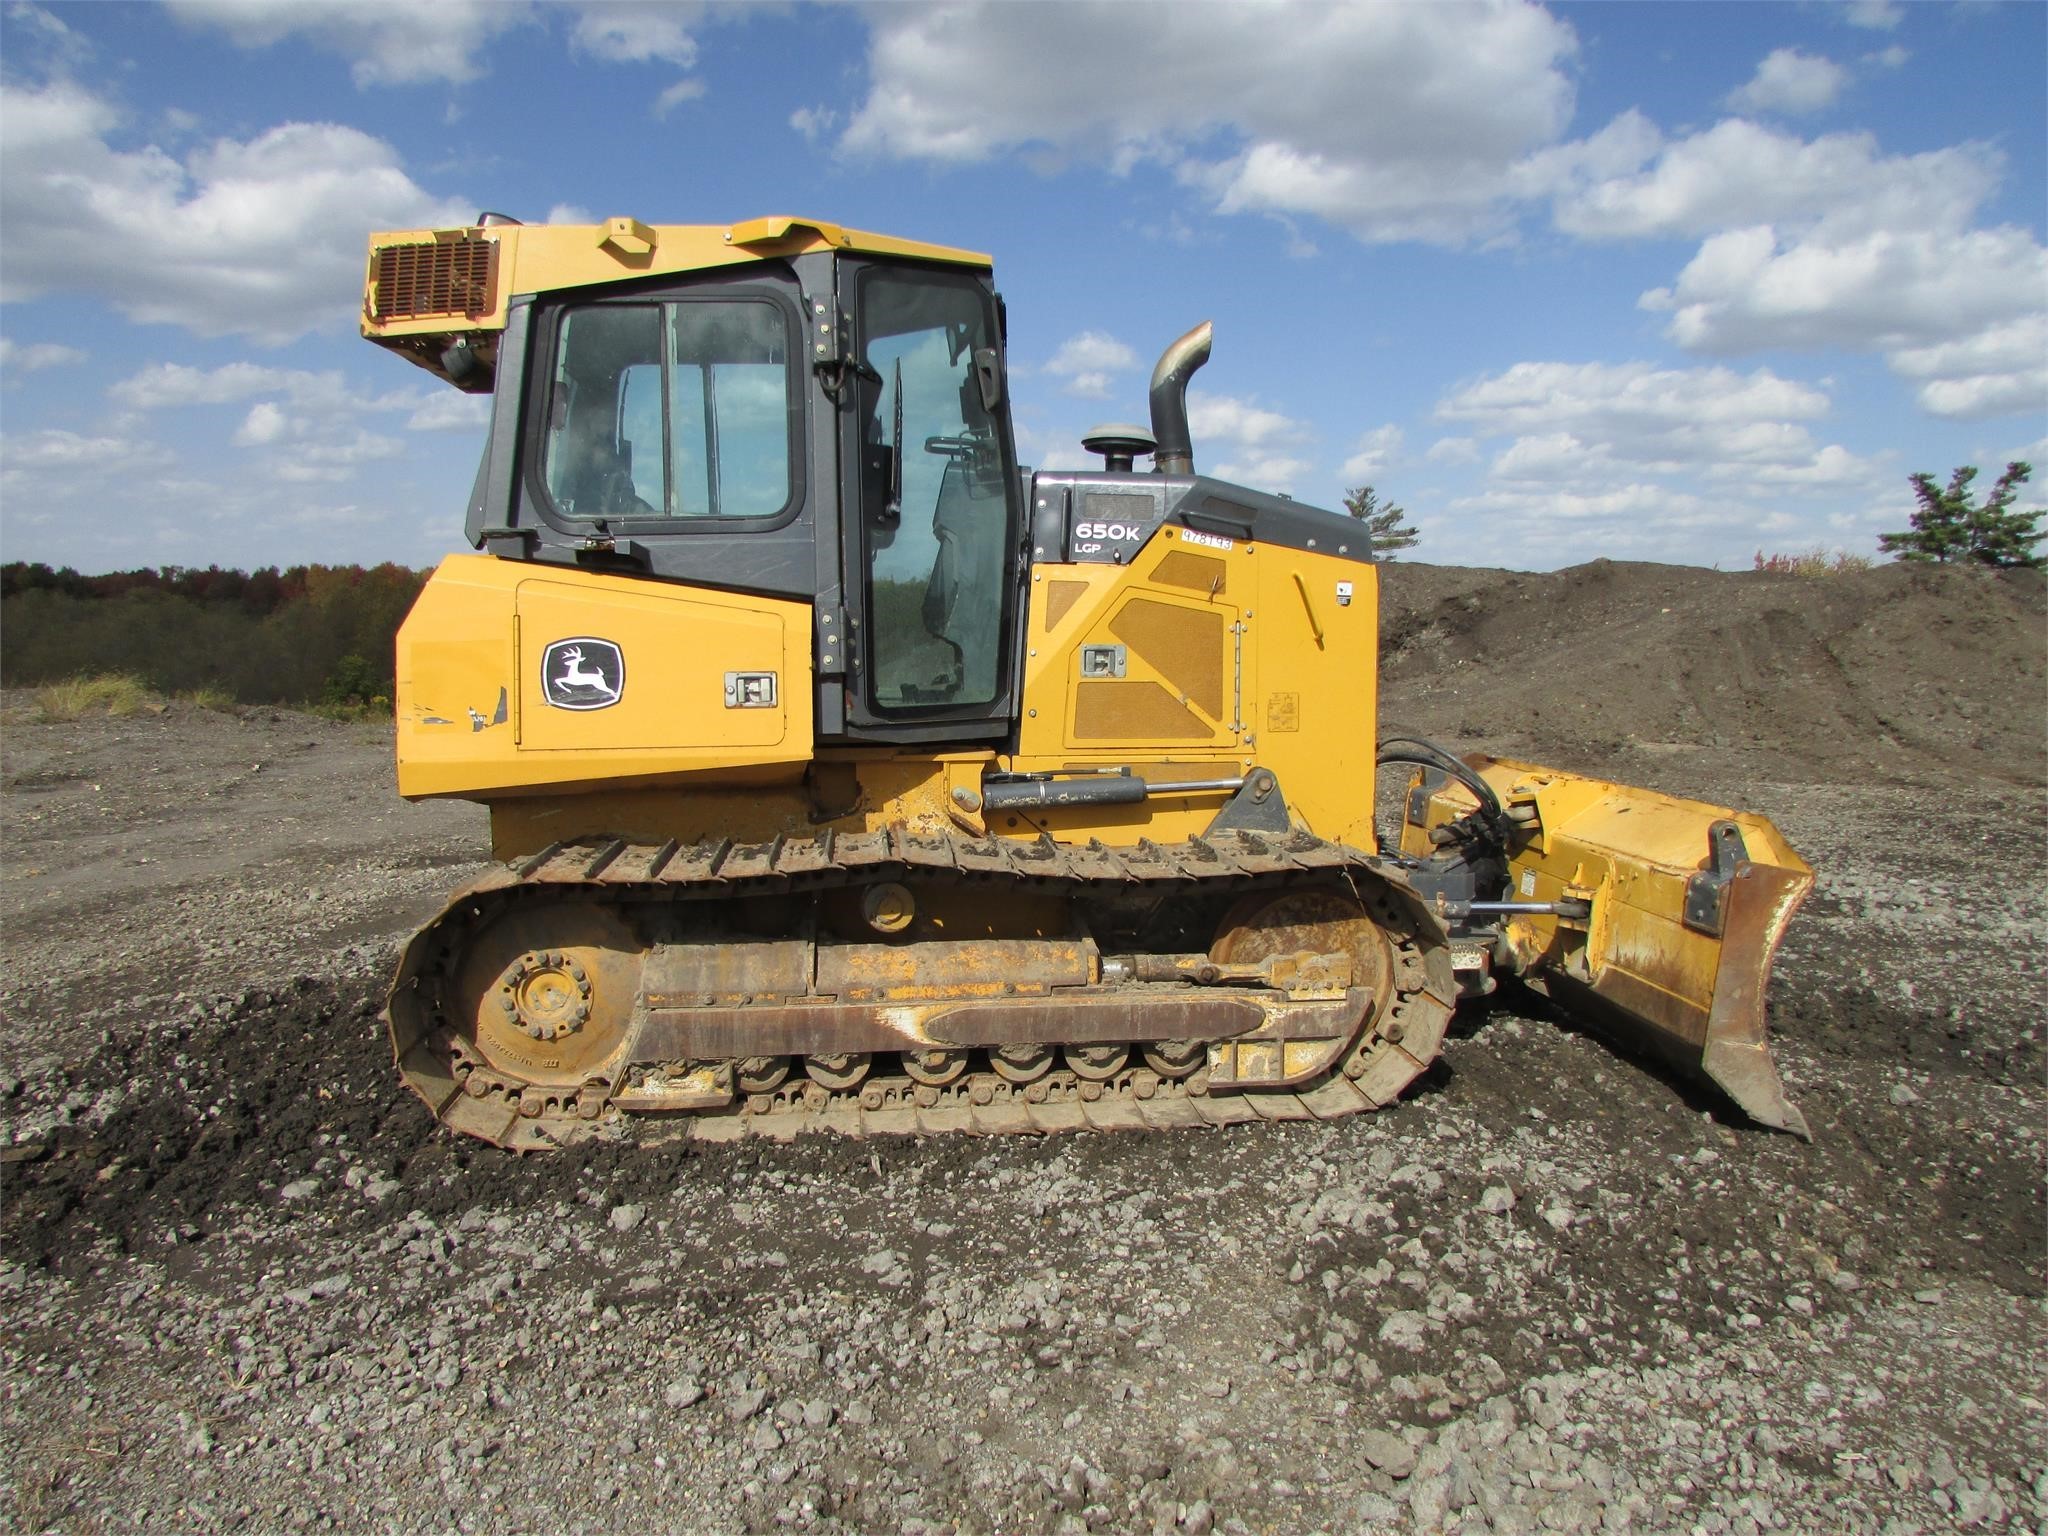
(219, 700)
(115, 694)
(352, 710)
(1813, 562)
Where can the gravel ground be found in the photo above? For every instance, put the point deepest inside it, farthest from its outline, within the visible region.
(248, 1286)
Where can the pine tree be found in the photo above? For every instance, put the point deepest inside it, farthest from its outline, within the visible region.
(1383, 524)
(1948, 526)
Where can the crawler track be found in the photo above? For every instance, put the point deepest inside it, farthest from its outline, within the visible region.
(582, 898)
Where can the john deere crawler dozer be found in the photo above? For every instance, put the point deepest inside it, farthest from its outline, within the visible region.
(844, 774)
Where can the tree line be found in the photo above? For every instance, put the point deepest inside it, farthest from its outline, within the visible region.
(308, 634)
(324, 634)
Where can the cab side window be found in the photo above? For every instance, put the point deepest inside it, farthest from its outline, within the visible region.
(684, 410)
(592, 437)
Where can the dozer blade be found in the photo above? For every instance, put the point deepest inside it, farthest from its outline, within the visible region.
(1685, 905)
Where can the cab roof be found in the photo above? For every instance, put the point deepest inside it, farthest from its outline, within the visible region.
(426, 288)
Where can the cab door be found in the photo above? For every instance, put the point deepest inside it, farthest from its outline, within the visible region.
(932, 542)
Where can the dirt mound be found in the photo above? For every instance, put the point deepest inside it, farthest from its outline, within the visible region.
(1900, 672)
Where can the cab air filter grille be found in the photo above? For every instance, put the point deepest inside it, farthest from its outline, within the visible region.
(435, 277)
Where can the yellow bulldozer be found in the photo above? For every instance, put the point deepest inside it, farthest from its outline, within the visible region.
(845, 774)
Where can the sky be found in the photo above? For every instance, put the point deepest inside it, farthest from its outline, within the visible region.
(1667, 282)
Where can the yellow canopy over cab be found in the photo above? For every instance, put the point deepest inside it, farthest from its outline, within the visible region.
(425, 288)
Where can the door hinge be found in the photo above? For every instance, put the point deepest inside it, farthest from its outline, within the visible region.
(832, 641)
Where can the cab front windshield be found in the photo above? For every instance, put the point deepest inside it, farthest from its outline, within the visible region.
(934, 495)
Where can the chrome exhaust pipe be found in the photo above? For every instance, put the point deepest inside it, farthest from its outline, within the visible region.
(1175, 454)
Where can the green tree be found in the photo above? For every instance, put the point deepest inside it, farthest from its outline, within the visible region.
(353, 681)
(1383, 523)
(1948, 526)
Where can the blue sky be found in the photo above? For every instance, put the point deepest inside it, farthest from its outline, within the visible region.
(1646, 281)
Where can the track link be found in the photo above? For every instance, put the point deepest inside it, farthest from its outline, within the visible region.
(1395, 1041)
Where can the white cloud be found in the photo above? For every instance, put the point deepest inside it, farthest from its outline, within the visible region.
(163, 385)
(1824, 243)
(2035, 452)
(1749, 289)
(1833, 466)
(1087, 360)
(1635, 461)
(1452, 450)
(331, 462)
(125, 503)
(265, 423)
(1372, 453)
(1893, 57)
(320, 437)
(73, 452)
(2000, 370)
(636, 32)
(1625, 398)
(261, 238)
(387, 42)
(1225, 418)
(1650, 520)
(1245, 442)
(52, 479)
(569, 213)
(448, 410)
(1049, 448)
(1276, 472)
(40, 28)
(36, 355)
(1250, 444)
(1553, 456)
(676, 95)
(1637, 503)
(814, 123)
(1739, 173)
(1790, 81)
(1877, 15)
(1393, 121)
(1585, 430)
(1548, 526)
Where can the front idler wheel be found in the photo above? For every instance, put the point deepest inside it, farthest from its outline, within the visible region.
(545, 993)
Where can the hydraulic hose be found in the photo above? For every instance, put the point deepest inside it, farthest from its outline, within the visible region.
(1415, 749)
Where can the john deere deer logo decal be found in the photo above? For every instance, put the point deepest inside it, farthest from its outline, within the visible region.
(583, 673)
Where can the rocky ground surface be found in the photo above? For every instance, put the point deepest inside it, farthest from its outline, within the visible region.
(246, 1285)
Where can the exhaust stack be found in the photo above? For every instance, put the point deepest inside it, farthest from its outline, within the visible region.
(1175, 454)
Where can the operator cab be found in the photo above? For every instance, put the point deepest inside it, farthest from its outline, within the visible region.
(828, 425)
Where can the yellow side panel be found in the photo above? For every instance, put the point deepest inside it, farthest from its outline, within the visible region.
(521, 678)
(1176, 637)
(1238, 652)
(1312, 700)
